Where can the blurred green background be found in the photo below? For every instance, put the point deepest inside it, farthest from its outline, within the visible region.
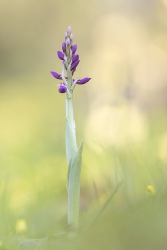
(120, 113)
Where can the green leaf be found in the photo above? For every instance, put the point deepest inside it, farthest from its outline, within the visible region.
(51, 242)
(74, 169)
(33, 244)
(73, 186)
(71, 144)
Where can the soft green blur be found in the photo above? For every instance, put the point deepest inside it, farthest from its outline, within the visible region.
(120, 114)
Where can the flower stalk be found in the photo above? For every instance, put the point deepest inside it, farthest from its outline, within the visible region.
(70, 61)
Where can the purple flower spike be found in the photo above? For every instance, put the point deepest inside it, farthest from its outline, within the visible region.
(56, 75)
(74, 49)
(60, 55)
(75, 58)
(84, 80)
(74, 65)
(64, 47)
(62, 88)
(70, 60)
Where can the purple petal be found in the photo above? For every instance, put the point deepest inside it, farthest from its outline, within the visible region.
(64, 47)
(56, 75)
(74, 48)
(74, 65)
(60, 55)
(84, 80)
(68, 41)
(75, 58)
(62, 88)
(73, 71)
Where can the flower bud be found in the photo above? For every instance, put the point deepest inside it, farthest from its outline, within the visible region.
(68, 31)
(65, 35)
(75, 58)
(84, 80)
(68, 42)
(74, 65)
(64, 47)
(71, 38)
(60, 55)
(74, 48)
(62, 88)
(56, 75)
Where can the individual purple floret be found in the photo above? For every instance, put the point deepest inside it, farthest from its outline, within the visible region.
(56, 75)
(74, 48)
(62, 88)
(64, 47)
(74, 65)
(73, 71)
(68, 41)
(75, 58)
(60, 55)
(83, 81)
(70, 63)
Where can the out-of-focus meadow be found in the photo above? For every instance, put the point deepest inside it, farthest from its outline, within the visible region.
(120, 114)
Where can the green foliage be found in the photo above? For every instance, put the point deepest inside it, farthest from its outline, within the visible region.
(73, 186)
(71, 145)
(33, 177)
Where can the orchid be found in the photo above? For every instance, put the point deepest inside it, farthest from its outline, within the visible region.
(70, 61)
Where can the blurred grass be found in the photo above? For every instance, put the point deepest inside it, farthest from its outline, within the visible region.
(33, 177)
(120, 114)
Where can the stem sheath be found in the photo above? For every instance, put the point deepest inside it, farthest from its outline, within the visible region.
(74, 165)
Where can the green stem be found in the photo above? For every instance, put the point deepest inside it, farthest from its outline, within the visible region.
(69, 111)
(74, 198)
(71, 142)
(73, 172)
